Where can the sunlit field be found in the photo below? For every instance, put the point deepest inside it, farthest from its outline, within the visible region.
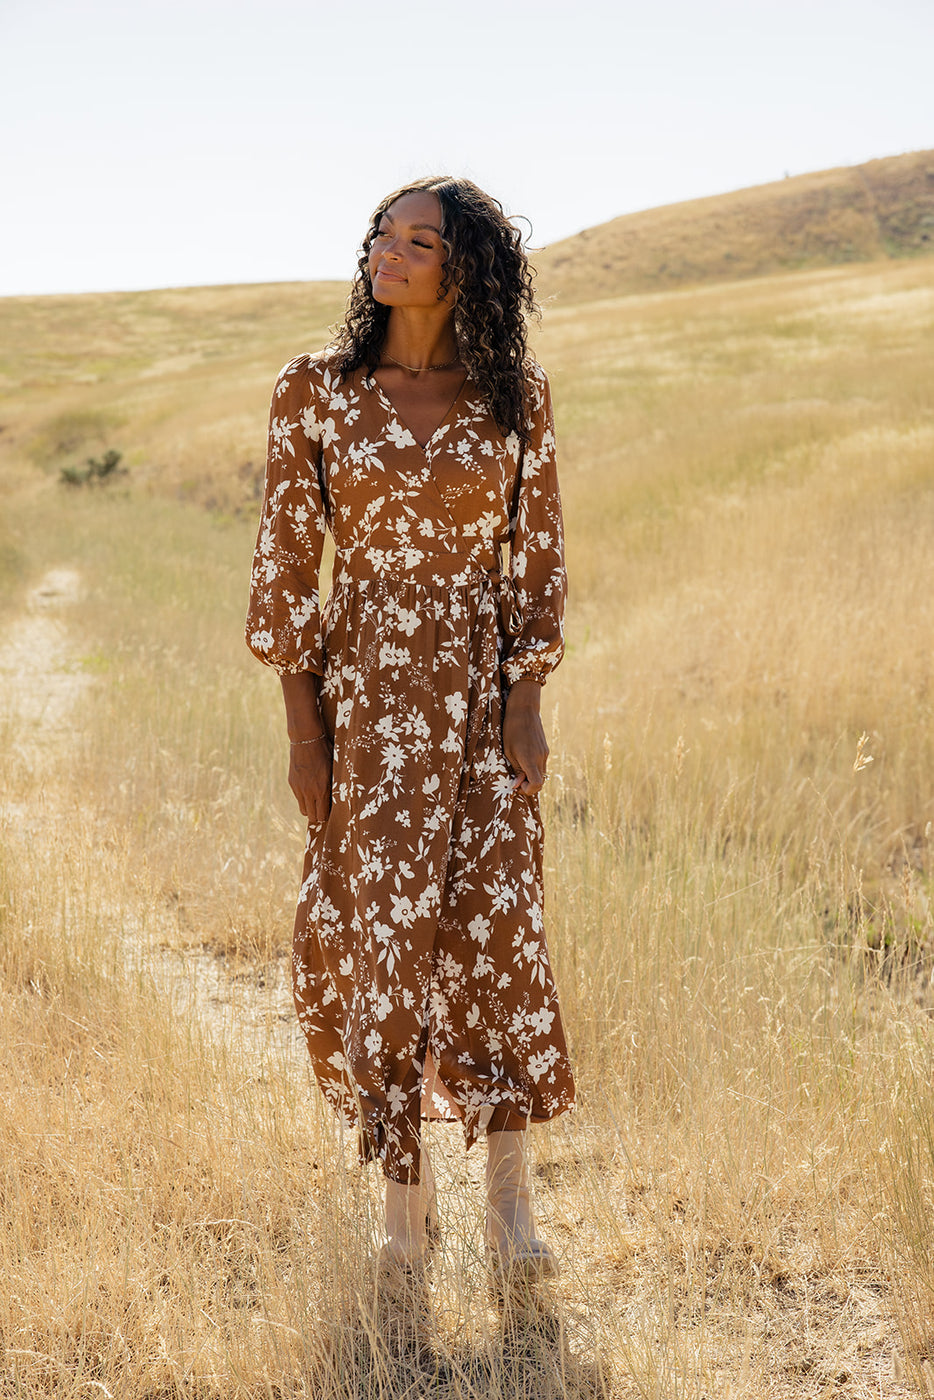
(739, 852)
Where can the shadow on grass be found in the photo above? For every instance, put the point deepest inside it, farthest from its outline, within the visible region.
(398, 1349)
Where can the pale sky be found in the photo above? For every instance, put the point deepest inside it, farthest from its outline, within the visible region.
(188, 142)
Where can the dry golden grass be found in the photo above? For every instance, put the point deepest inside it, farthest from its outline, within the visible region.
(740, 898)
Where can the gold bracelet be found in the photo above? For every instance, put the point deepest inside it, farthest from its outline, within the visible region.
(316, 740)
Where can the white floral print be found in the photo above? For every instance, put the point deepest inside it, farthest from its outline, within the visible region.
(419, 929)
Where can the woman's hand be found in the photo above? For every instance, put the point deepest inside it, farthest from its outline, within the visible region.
(309, 750)
(310, 778)
(524, 737)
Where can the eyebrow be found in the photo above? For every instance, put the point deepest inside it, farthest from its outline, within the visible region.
(418, 227)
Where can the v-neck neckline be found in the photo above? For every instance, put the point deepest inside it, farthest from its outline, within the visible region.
(390, 406)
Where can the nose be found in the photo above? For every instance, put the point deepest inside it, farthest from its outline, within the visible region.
(391, 251)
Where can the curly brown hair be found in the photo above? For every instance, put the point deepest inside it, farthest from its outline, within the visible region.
(486, 262)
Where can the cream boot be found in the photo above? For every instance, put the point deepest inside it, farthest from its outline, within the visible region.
(411, 1221)
(510, 1232)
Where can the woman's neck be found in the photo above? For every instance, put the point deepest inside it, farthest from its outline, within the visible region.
(418, 340)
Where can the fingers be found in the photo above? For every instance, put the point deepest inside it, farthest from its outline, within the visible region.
(311, 788)
(314, 806)
(525, 748)
(314, 810)
(530, 776)
(527, 786)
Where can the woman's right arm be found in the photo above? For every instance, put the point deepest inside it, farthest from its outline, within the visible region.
(283, 626)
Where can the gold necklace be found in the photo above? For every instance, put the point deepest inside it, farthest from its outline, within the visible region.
(420, 369)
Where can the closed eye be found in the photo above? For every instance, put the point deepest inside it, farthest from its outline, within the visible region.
(418, 242)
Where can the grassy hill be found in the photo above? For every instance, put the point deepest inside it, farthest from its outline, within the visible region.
(859, 213)
(177, 380)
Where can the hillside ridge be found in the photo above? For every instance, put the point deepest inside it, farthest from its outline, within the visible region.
(851, 214)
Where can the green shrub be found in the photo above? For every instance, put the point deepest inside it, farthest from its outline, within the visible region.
(96, 470)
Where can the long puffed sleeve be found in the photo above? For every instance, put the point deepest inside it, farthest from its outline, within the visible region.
(536, 561)
(283, 626)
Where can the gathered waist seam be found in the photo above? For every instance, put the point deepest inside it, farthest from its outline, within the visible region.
(360, 566)
(462, 570)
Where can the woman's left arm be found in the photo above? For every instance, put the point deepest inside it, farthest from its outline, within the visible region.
(539, 578)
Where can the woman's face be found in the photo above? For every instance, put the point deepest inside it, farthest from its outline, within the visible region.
(407, 257)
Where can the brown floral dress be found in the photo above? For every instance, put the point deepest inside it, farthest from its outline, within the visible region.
(420, 969)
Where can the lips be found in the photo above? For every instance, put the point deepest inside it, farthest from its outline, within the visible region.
(389, 276)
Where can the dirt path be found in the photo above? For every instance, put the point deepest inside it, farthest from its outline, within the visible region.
(39, 683)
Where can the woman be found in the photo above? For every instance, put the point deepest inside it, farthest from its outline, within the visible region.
(422, 437)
